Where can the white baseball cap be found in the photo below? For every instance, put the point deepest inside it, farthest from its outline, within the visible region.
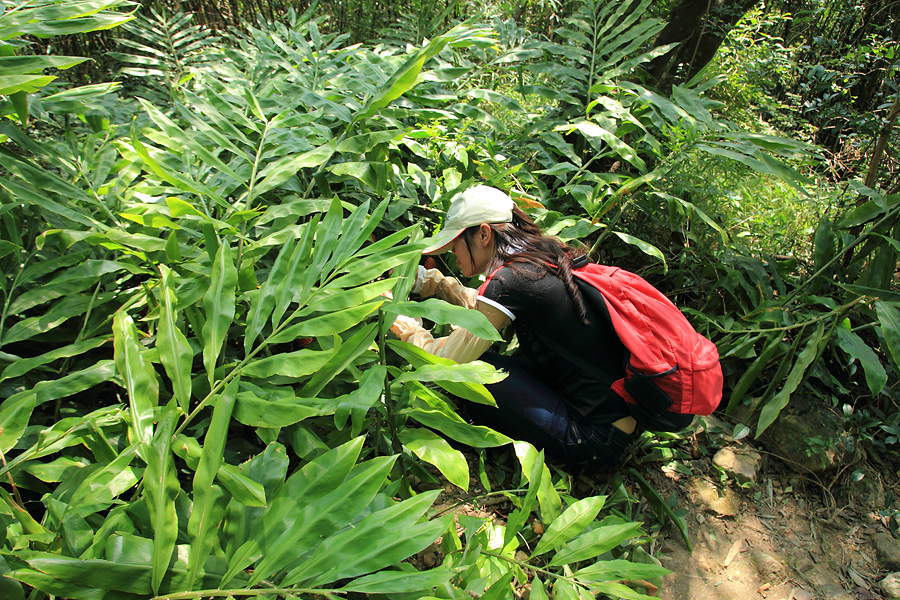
(476, 205)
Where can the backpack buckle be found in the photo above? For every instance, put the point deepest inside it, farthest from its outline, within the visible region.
(580, 261)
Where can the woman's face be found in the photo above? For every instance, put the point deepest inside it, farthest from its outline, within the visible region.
(473, 258)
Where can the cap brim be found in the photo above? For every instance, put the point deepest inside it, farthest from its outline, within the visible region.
(441, 242)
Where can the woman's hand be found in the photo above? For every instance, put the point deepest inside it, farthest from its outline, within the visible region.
(404, 326)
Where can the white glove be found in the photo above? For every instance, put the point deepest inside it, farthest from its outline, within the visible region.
(461, 345)
(431, 282)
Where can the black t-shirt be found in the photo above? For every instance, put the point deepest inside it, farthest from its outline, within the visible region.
(550, 333)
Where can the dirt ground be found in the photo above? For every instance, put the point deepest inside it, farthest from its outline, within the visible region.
(784, 536)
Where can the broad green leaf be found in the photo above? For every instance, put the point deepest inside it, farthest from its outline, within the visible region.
(596, 134)
(160, 488)
(517, 519)
(13, 84)
(383, 538)
(219, 306)
(65, 283)
(208, 499)
(14, 417)
(139, 376)
(402, 80)
(435, 450)
(276, 535)
(343, 358)
(775, 347)
(550, 502)
(360, 144)
(852, 344)
(265, 412)
(595, 542)
(280, 171)
(83, 575)
(320, 516)
(645, 247)
(327, 324)
(619, 570)
(889, 318)
(99, 489)
(443, 419)
(417, 357)
(330, 299)
(175, 352)
(398, 582)
(264, 301)
(23, 366)
(619, 590)
(288, 364)
(439, 311)
(501, 589)
(242, 488)
(774, 406)
(569, 524)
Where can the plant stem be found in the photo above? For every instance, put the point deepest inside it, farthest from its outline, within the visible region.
(388, 399)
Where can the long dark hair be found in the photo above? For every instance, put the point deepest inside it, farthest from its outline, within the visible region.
(521, 241)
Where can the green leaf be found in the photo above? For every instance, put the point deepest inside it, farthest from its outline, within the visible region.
(23, 366)
(288, 364)
(569, 524)
(139, 376)
(431, 411)
(330, 501)
(161, 487)
(889, 318)
(360, 144)
(209, 505)
(264, 301)
(620, 590)
(417, 357)
(551, 503)
(219, 305)
(661, 507)
(852, 344)
(645, 247)
(327, 324)
(619, 570)
(439, 311)
(435, 450)
(595, 542)
(281, 170)
(402, 80)
(263, 412)
(242, 488)
(175, 352)
(383, 538)
(343, 358)
(399, 582)
(774, 406)
(517, 519)
(14, 417)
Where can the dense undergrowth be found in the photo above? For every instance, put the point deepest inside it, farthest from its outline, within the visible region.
(199, 393)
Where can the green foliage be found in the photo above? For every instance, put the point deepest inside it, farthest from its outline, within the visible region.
(198, 387)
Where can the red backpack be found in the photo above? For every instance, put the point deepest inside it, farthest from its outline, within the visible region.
(669, 366)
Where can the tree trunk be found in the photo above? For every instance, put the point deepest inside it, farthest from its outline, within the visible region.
(699, 27)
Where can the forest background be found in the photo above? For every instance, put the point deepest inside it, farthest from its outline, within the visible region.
(201, 205)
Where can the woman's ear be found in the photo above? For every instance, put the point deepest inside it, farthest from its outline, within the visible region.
(485, 234)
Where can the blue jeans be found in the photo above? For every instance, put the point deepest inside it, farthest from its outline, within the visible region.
(529, 409)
